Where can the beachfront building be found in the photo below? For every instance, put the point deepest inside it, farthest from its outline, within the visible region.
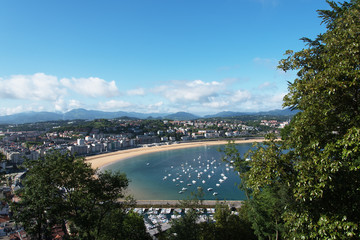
(143, 139)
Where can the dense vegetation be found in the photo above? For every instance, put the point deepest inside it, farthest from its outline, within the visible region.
(63, 191)
(307, 184)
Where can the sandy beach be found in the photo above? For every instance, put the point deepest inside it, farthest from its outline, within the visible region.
(102, 160)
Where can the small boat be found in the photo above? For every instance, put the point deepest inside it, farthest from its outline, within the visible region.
(180, 192)
(203, 181)
(215, 193)
(209, 189)
(193, 181)
(164, 178)
(218, 184)
(183, 189)
(189, 184)
(147, 164)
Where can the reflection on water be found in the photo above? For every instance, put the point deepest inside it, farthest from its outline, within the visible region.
(174, 174)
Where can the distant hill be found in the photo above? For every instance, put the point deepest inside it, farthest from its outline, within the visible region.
(278, 112)
(31, 117)
(181, 116)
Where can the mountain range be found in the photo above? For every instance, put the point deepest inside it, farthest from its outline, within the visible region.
(30, 117)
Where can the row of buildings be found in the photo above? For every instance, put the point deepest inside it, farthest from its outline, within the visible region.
(17, 146)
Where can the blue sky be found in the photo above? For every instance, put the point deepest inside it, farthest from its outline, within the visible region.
(149, 55)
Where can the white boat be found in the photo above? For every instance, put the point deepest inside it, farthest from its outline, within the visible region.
(183, 189)
(203, 181)
(180, 192)
(215, 193)
(209, 189)
(218, 184)
(221, 180)
(164, 178)
(189, 184)
(193, 181)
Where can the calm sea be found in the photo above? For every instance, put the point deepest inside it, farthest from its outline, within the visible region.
(165, 175)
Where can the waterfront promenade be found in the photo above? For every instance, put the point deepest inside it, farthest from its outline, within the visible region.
(172, 203)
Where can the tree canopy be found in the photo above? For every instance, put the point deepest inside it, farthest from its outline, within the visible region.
(317, 161)
(62, 190)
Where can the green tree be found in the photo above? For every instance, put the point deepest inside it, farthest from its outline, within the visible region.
(185, 227)
(229, 226)
(318, 159)
(64, 188)
(265, 205)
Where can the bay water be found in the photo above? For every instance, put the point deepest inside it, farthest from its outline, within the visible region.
(174, 174)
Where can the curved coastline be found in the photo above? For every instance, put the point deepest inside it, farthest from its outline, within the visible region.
(102, 160)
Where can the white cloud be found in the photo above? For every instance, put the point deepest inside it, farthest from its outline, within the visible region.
(114, 105)
(38, 86)
(63, 105)
(185, 91)
(267, 85)
(241, 96)
(136, 92)
(91, 87)
(156, 107)
(214, 103)
(20, 109)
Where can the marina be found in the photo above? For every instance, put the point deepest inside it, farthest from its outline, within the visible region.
(155, 218)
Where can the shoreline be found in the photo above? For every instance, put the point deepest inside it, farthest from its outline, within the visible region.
(102, 160)
(176, 203)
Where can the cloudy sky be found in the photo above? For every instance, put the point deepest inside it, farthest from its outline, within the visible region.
(199, 56)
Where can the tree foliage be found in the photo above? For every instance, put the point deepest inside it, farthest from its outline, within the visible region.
(318, 159)
(63, 189)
